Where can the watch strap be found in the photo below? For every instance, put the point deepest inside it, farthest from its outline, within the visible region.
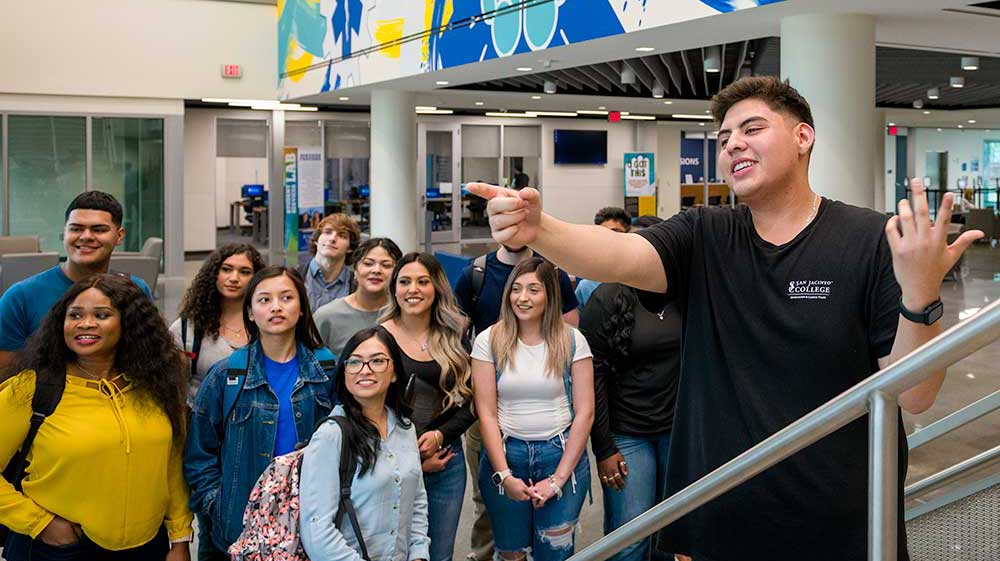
(927, 316)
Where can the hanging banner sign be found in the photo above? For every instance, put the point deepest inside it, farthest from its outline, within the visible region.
(291, 206)
(639, 180)
(310, 188)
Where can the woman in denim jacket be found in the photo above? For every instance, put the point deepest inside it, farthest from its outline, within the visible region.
(534, 388)
(388, 488)
(284, 393)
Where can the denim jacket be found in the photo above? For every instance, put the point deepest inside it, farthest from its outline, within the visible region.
(224, 457)
(390, 500)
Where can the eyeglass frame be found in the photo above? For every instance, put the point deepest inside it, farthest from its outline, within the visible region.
(367, 363)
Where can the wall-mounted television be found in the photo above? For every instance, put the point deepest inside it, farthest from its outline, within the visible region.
(580, 146)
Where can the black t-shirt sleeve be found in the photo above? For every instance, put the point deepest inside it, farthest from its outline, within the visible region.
(593, 324)
(883, 303)
(673, 240)
(569, 301)
(463, 291)
(455, 427)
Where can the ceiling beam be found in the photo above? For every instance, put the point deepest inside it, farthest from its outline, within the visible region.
(596, 76)
(673, 70)
(704, 75)
(568, 79)
(741, 59)
(613, 76)
(618, 66)
(641, 72)
(656, 67)
(584, 79)
(687, 71)
(722, 66)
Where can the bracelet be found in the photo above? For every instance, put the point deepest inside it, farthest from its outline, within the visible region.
(555, 486)
(440, 438)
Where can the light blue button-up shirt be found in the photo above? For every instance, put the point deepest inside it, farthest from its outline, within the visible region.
(321, 292)
(390, 500)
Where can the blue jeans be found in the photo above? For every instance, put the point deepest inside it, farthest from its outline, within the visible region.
(445, 490)
(22, 548)
(518, 526)
(645, 486)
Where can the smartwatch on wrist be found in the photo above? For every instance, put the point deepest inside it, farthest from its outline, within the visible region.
(499, 476)
(927, 316)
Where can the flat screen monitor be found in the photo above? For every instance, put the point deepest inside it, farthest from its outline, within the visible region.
(252, 190)
(581, 146)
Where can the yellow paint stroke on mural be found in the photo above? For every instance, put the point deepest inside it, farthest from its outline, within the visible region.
(300, 63)
(386, 31)
(449, 10)
(281, 8)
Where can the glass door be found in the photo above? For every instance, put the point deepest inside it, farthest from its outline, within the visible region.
(440, 190)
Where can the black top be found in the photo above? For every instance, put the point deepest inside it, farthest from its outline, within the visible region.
(635, 394)
(486, 312)
(425, 398)
(771, 333)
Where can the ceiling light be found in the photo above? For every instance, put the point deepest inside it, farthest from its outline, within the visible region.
(590, 112)
(628, 76)
(639, 117)
(524, 69)
(892, 124)
(425, 108)
(701, 124)
(939, 130)
(658, 91)
(435, 111)
(258, 103)
(623, 113)
(970, 63)
(283, 107)
(668, 102)
(685, 116)
(536, 97)
(957, 82)
(713, 56)
(479, 103)
(918, 104)
(645, 49)
(553, 113)
(602, 108)
(927, 112)
(933, 93)
(972, 121)
(502, 114)
(961, 126)
(442, 82)
(549, 87)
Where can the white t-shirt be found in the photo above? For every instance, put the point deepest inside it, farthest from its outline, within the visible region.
(531, 405)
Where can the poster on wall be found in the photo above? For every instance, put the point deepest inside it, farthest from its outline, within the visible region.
(310, 191)
(291, 206)
(639, 180)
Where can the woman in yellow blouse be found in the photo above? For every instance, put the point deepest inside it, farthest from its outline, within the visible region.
(104, 479)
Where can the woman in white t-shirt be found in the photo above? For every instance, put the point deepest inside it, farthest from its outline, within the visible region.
(533, 379)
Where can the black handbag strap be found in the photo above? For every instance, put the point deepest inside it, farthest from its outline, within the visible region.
(348, 465)
(47, 395)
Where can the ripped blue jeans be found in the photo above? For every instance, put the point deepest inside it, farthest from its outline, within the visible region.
(547, 533)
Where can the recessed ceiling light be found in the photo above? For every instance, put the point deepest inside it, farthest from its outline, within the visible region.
(933, 93)
(957, 82)
(435, 111)
(892, 124)
(536, 97)
(442, 82)
(639, 117)
(939, 130)
(708, 111)
(685, 116)
(972, 121)
(623, 113)
(668, 102)
(602, 108)
(591, 112)
(479, 103)
(701, 124)
(502, 114)
(425, 108)
(553, 113)
(344, 98)
(961, 126)
(524, 69)
(970, 63)
(645, 49)
(927, 112)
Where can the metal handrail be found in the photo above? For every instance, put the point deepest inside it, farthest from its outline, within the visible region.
(956, 420)
(877, 393)
(947, 475)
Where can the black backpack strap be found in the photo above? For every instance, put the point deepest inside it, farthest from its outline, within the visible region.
(47, 395)
(348, 465)
(478, 278)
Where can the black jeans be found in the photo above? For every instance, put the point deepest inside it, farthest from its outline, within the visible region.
(206, 549)
(22, 548)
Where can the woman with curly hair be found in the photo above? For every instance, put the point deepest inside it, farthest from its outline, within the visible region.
(239, 422)
(105, 479)
(210, 326)
(425, 320)
(636, 375)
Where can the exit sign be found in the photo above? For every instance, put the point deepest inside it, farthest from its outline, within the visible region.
(232, 71)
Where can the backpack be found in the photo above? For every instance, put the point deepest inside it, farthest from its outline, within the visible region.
(478, 278)
(43, 403)
(239, 363)
(271, 521)
(195, 345)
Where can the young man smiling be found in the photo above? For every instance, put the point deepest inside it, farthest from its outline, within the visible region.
(787, 302)
(93, 229)
(328, 275)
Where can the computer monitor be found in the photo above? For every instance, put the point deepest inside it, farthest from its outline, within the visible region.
(252, 190)
(364, 191)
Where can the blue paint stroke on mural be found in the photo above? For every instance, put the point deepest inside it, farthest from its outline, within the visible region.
(346, 22)
(437, 17)
(727, 6)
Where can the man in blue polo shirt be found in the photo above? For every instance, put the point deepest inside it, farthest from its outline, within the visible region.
(93, 229)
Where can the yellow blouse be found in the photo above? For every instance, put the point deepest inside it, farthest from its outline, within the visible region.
(105, 459)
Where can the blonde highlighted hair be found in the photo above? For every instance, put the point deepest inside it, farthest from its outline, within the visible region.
(444, 342)
(504, 333)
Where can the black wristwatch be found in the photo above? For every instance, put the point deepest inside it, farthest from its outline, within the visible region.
(927, 316)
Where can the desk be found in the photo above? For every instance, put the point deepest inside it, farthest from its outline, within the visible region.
(697, 192)
(235, 210)
(258, 224)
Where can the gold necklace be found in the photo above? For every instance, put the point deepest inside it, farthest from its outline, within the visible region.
(88, 373)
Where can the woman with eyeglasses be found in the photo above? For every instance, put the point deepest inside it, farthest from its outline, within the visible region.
(424, 318)
(259, 403)
(388, 488)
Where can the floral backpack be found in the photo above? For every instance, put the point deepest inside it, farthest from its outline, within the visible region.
(271, 519)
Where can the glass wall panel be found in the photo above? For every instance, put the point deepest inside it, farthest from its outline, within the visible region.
(302, 134)
(348, 149)
(48, 167)
(128, 163)
(480, 162)
(522, 153)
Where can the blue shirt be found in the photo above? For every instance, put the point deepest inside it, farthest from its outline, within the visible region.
(584, 289)
(281, 376)
(390, 500)
(487, 311)
(25, 305)
(321, 292)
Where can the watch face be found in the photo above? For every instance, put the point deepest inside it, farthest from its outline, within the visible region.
(935, 313)
(496, 479)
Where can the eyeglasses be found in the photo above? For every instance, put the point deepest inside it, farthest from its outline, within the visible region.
(377, 365)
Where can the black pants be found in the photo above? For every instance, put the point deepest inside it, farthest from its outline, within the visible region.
(22, 548)
(206, 549)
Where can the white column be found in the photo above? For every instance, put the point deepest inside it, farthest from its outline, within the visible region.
(830, 60)
(394, 168)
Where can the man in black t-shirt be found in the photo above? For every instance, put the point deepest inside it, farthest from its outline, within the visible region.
(787, 302)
